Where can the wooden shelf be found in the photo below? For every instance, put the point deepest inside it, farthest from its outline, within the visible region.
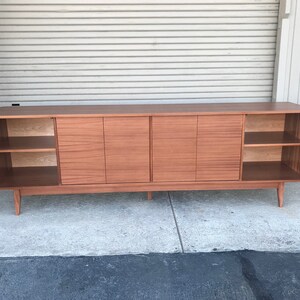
(256, 171)
(27, 144)
(265, 139)
(30, 176)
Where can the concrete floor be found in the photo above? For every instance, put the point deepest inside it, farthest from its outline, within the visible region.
(124, 223)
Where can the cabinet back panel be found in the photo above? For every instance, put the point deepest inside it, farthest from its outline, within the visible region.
(30, 127)
(34, 159)
(262, 154)
(263, 123)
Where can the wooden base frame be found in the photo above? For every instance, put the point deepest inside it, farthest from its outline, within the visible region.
(145, 187)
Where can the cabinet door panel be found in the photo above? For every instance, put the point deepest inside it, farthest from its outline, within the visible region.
(174, 148)
(219, 147)
(81, 150)
(127, 149)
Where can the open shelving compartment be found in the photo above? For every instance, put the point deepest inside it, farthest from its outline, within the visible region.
(27, 153)
(271, 149)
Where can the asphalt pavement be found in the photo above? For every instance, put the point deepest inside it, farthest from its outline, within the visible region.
(221, 275)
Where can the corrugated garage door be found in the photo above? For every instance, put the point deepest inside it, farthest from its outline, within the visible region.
(128, 51)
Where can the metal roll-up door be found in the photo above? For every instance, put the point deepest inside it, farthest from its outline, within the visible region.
(136, 51)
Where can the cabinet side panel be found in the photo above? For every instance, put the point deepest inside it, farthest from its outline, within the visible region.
(127, 150)
(81, 150)
(291, 155)
(219, 147)
(5, 158)
(174, 148)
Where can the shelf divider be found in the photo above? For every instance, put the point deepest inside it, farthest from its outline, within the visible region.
(29, 176)
(27, 144)
(269, 170)
(270, 139)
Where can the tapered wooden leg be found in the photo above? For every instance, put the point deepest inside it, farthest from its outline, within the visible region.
(149, 195)
(17, 198)
(280, 193)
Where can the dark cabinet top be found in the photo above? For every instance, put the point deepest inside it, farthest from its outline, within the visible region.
(147, 110)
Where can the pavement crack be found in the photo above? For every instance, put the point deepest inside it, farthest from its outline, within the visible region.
(249, 273)
(176, 223)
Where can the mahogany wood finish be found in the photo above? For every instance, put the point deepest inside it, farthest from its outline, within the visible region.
(81, 150)
(147, 148)
(280, 193)
(269, 139)
(174, 148)
(30, 127)
(149, 196)
(5, 159)
(146, 187)
(269, 170)
(263, 153)
(33, 159)
(264, 123)
(291, 155)
(29, 176)
(148, 110)
(127, 149)
(219, 147)
(27, 144)
(17, 200)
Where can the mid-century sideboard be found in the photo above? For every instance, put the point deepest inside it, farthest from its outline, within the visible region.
(145, 148)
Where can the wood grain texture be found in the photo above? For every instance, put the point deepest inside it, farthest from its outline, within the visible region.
(30, 176)
(242, 147)
(33, 159)
(145, 187)
(264, 122)
(17, 201)
(269, 170)
(181, 142)
(5, 158)
(27, 144)
(219, 147)
(262, 154)
(280, 194)
(30, 127)
(265, 139)
(179, 127)
(81, 150)
(147, 110)
(174, 148)
(149, 195)
(291, 155)
(127, 150)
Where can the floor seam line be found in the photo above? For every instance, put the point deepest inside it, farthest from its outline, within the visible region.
(176, 223)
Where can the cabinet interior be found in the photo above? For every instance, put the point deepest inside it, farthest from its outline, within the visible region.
(28, 152)
(271, 147)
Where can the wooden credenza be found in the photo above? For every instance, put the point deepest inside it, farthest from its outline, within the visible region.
(134, 148)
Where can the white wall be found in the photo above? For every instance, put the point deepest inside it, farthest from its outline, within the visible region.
(287, 73)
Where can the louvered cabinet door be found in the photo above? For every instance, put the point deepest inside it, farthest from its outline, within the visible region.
(174, 148)
(127, 150)
(81, 150)
(219, 145)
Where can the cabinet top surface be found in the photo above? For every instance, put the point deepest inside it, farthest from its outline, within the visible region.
(147, 110)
